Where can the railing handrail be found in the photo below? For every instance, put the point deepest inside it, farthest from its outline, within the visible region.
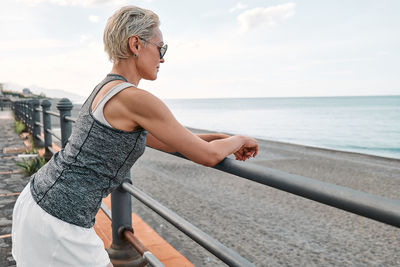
(368, 205)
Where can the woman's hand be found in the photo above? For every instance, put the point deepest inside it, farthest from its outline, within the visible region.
(248, 149)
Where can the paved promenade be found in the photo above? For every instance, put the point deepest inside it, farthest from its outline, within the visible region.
(12, 181)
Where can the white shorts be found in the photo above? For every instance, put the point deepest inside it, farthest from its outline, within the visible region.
(40, 239)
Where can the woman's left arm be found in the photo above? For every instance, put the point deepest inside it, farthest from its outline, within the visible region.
(212, 136)
(153, 142)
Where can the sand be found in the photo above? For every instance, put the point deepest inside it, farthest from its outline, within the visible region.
(267, 226)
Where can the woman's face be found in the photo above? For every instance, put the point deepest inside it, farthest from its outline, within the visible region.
(149, 56)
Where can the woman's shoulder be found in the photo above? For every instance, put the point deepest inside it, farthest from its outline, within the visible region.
(140, 96)
(141, 101)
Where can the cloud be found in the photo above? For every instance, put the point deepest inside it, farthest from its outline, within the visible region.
(84, 3)
(93, 18)
(259, 16)
(31, 45)
(85, 62)
(238, 6)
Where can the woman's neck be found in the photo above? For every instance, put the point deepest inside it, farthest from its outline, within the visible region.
(127, 69)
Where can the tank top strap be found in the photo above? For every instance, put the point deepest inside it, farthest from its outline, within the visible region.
(113, 91)
(98, 111)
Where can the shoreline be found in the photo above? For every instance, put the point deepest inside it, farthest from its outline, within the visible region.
(301, 146)
(196, 130)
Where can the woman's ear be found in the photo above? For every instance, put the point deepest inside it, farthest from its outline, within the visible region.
(133, 43)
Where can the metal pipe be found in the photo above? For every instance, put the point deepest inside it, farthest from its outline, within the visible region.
(51, 150)
(65, 106)
(53, 113)
(121, 212)
(121, 252)
(68, 118)
(47, 129)
(53, 134)
(39, 137)
(30, 116)
(135, 242)
(146, 254)
(214, 246)
(371, 206)
(375, 207)
(106, 211)
(152, 260)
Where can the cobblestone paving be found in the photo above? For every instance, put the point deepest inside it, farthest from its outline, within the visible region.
(11, 181)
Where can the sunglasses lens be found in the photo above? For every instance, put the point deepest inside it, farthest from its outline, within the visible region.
(163, 50)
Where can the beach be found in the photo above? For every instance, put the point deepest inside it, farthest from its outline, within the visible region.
(265, 225)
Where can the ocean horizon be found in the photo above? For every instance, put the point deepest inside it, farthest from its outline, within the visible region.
(362, 124)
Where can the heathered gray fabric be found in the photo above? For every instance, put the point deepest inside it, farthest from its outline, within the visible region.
(94, 162)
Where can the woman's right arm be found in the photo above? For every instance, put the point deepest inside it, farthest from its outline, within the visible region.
(153, 115)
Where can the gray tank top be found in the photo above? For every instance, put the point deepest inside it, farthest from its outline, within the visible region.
(94, 162)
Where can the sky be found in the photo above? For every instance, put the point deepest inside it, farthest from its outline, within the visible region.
(268, 48)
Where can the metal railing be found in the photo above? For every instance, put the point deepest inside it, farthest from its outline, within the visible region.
(371, 206)
(4, 103)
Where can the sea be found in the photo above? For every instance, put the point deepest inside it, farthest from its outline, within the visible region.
(362, 124)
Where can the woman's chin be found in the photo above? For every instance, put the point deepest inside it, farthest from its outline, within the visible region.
(151, 78)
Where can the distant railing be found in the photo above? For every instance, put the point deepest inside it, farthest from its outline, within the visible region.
(4, 103)
(371, 206)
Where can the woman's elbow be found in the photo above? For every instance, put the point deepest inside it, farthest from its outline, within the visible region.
(211, 160)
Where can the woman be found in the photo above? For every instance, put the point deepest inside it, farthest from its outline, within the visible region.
(54, 216)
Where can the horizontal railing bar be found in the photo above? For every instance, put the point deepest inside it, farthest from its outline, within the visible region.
(151, 259)
(38, 136)
(38, 109)
(214, 246)
(39, 124)
(52, 113)
(53, 134)
(68, 118)
(106, 211)
(375, 207)
(51, 150)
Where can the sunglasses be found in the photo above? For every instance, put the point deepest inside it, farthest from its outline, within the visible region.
(161, 49)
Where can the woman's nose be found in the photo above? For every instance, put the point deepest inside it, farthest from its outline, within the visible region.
(162, 60)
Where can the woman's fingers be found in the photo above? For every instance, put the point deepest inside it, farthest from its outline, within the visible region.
(247, 150)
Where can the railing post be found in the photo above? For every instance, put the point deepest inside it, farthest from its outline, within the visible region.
(36, 119)
(121, 251)
(47, 125)
(65, 107)
(23, 108)
(17, 108)
(23, 113)
(30, 113)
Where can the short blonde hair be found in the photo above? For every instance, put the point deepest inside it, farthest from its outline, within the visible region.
(125, 22)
